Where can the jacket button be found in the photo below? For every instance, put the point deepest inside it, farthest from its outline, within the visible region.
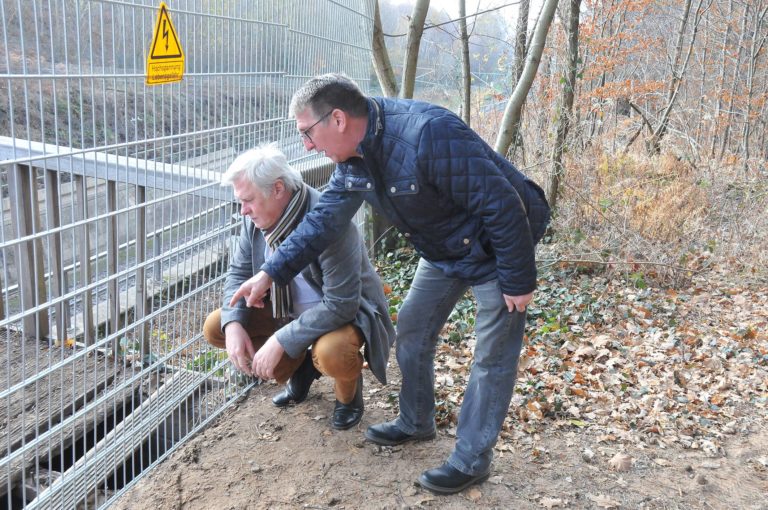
(349, 184)
(407, 234)
(413, 187)
(392, 189)
(368, 185)
(466, 241)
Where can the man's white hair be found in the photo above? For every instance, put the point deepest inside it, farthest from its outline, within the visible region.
(263, 166)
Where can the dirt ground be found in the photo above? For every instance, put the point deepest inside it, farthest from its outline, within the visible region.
(258, 456)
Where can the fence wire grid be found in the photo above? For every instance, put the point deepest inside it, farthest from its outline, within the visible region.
(114, 230)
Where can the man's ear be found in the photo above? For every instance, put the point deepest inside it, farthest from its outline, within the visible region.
(279, 188)
(339, 119)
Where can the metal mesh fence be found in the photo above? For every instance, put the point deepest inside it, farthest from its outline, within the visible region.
(114, 230)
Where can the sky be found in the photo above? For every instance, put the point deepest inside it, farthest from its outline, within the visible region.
(452, 7)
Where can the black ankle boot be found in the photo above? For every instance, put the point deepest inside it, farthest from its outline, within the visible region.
(346, 416)
(297, 389)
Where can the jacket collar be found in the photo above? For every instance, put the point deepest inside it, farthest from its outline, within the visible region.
(375, 126)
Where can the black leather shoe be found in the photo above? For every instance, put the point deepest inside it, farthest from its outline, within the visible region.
(297, 389)
(388, 434)
(346, 416)
(446, 479)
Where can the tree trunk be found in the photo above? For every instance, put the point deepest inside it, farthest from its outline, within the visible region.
(698, 133)
(521, 38)
(734, 81)
(521, 50)
(566, 106)
(466, 77)
(380, 238)
(511, 120)
(415, 30)
(381, 63)
(679, 67)
(721, 82)
(755, 50)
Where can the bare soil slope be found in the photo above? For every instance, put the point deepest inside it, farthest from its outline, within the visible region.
(257, 456)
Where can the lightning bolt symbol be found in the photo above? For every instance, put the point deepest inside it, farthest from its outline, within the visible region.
(165, 36)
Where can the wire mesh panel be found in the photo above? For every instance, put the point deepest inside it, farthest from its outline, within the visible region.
(114, 230)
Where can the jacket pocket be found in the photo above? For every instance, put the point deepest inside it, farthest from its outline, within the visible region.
(357, 183)
(408, 186)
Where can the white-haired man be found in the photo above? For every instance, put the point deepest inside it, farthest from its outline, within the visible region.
(318, 322)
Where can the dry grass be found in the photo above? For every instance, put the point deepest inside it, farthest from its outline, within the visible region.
(662, 216)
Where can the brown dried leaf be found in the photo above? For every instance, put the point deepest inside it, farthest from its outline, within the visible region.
(551, 502)
(603, 501)
(621, 462)
(601, 341)
(585, 351)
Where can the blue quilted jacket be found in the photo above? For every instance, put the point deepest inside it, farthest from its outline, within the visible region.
(465, 208)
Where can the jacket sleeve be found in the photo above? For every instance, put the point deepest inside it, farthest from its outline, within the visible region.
(341, 295)
(240, 269)
(319, 228)
(462, 166)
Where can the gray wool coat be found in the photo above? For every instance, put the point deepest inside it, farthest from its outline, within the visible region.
(343, 275)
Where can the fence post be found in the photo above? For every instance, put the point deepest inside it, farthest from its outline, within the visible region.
(52, 201)
(141, 274)
(113, 294)
(29, 259)
(2, 300)
(84, 254)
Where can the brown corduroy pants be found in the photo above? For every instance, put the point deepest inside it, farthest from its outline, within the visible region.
(335, 354)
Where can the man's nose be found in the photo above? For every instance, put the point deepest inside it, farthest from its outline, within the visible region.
(308, 144)
(243, 210)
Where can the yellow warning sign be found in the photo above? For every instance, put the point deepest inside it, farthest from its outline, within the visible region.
(165, 63)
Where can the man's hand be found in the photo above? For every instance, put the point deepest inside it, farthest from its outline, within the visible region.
(253, 290)
(239, 347)
(518, 302)
(267, 358)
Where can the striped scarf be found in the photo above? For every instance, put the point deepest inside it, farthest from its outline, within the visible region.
(282, 304)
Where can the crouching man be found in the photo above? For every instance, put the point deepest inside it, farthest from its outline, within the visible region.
(320, 321)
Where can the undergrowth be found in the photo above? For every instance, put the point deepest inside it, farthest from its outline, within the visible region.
(659, 218)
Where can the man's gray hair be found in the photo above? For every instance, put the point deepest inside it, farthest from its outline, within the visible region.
(326, 92)
(263, 166)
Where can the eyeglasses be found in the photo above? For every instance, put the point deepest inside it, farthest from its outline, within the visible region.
(305, 133)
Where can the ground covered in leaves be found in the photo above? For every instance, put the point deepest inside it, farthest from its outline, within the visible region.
(629, 395)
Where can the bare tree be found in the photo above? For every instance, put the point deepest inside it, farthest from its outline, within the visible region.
(511, 120)
(415, 31)
(755, 49)
(721, 81)
(678, 69)
(734, 81)
(566, 102)
(381, 63)
(466, 77)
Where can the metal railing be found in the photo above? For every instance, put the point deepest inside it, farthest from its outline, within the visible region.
(114, 230)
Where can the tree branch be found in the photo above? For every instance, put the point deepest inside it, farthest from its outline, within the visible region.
(430, 25)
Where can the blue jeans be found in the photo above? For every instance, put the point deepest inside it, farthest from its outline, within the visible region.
(492, 377)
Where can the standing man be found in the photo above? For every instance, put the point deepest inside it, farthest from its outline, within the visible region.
(336, 305)
(473, 218)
